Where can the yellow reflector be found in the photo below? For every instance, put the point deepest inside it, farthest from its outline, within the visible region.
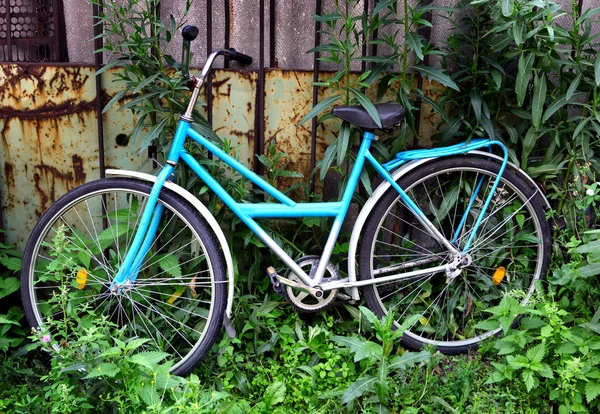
(81, 278)
(499, 275)
(175, 295)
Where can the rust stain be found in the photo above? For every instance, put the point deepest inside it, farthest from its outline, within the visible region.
(50, 175)
(9, 180)
(219, 83)
(49, 110)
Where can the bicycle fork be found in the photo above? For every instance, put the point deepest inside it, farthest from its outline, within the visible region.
(142, 242)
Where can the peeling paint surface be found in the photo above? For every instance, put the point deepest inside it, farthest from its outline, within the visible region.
(48, 127)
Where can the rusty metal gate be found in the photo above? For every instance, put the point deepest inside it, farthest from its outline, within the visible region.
(55, 137)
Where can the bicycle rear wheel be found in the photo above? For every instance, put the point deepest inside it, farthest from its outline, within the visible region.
(179, 297)
(510, 252)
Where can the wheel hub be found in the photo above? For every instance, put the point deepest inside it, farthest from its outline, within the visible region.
(455, 267)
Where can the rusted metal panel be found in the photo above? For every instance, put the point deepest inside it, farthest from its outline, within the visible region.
(49, 134)
(39, 105)
(49, 131)
(234, 97)
(49, 139)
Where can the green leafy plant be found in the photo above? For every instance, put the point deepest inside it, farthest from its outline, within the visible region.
(377, 361)
(11, 333)
(533, 83)
(552, 353)
(136, 39)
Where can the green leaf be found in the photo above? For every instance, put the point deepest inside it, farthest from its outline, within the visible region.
(149, 395)
(573, 87)
(327, 160)
(366, 181)
(114, 99)
(153, 133)
(589, 270)
(476, 103)
(368, 105)
(107, 369)
(589, 247)
(507, 7)
(146, 81)
(274, 394)
(539, 98)
(358, 388)
(597, 68)
(437, 75)
(135, 343)
(320, 107)
(415, 42)
(525, 67)
(311, 221)
(529, 380)
(382, 5)
(536, 354)
(8, 286)
(529, 141)
(559, 103)
(343, 140)
(170, 264)
(408, 360)
(148, 359)
(5, 321)
(488, 324)
(361, 348)
(592, 390)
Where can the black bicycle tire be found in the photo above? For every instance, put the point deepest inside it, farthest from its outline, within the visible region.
(371, 227)
(174, 201)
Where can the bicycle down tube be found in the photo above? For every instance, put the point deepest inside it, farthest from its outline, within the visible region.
(287, 208)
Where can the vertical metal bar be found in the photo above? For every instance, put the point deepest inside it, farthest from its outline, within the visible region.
(227, 27)
(259, 120)
(424, 31)
(316, 66)
(363, 64)
(98, 63)
(272, 21)
(209, 48)
(579, 7)
(8, 34)
(97, 9)
(60, 33)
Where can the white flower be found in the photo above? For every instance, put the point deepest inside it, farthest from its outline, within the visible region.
(589, 192)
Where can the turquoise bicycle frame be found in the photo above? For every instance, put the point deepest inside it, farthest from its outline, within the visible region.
(287, 208)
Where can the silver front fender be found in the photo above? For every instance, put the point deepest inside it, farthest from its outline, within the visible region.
(384, 186)
(206, 215)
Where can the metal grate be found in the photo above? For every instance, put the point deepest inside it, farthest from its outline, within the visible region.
(31, 31)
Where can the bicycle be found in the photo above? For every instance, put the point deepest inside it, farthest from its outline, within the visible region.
(448, 233)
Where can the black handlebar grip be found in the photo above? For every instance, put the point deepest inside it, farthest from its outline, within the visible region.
(239, 57)
(189, 33)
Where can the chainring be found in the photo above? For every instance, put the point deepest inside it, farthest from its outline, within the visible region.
(303, 301)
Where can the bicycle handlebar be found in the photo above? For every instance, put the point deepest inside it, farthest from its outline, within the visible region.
(239, 57)
(190, 33)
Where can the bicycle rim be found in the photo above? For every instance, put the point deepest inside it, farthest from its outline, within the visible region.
(509, 253)
(177, 300)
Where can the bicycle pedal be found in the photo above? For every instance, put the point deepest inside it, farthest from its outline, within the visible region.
(343, 297)
(274, 277)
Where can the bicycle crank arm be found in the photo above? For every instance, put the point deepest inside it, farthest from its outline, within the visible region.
(317, 293)
(277, 281)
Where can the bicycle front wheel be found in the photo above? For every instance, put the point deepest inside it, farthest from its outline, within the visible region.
(509, 253)
(178, 300)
